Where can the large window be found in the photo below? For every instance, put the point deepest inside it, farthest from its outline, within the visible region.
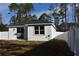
(39, 30)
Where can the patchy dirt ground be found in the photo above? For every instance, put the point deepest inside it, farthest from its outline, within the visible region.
(34, 48)
(15, 47)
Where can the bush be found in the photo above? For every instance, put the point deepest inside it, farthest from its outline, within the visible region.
(3, 27)
(51, 48)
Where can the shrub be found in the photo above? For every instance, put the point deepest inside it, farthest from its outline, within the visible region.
(3, 27)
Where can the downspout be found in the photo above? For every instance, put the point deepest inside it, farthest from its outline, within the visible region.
(26, 32)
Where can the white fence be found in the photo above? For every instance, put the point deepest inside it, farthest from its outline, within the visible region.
(4, 35)
(62, 36)
(74, 40)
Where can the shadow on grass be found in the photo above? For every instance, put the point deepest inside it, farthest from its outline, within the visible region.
(50, 48)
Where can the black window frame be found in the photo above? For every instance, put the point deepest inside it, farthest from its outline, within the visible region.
(42, 29)
(39, 30)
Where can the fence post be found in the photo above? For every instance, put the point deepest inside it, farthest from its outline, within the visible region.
(74, 40)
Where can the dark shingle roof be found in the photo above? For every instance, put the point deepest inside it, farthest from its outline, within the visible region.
(37, 21)
(31, 22)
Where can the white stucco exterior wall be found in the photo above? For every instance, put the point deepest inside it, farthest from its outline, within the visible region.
(33, 37)
(50, 33)
(12, 32)
(53, 32)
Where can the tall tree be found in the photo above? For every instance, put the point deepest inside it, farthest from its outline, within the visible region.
(13, 7)
(21, 10)
(53, 11)
(57, 11)
(76, 12)
(56, 17)
(13, 20)
(44, 17)
(1, 19)
(34, 17)
(64, 8)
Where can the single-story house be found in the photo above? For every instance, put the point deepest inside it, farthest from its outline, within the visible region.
(33, 30)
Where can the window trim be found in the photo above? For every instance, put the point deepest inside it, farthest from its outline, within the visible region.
(39, 30)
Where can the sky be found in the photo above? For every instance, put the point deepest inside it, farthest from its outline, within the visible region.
(39, 9)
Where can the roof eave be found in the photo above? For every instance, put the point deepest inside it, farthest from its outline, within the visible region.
(39, 24)
(16, 26)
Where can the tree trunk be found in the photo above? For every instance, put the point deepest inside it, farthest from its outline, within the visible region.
(65, 17)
